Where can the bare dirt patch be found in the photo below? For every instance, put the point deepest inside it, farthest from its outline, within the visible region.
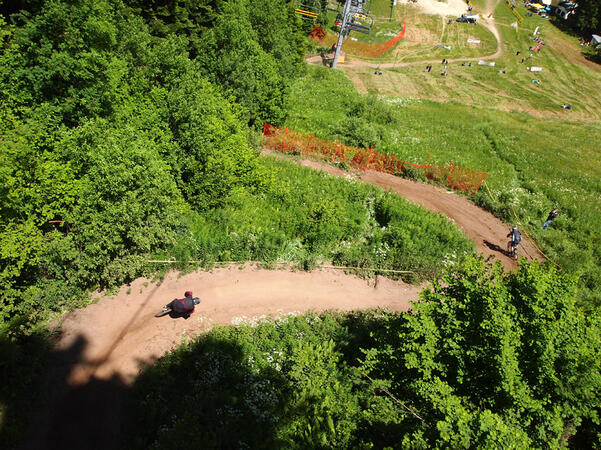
(449, 8)
(123, 334)
(103, 347)
(420, 35)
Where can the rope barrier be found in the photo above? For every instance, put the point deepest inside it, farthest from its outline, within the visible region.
(173, 261)
(523, 228)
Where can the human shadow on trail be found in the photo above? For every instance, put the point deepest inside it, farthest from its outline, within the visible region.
(496, 248)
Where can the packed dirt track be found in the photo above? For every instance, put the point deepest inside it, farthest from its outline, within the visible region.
(101, 349)
(123, 334)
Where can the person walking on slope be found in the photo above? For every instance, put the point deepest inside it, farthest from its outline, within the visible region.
(550, 218)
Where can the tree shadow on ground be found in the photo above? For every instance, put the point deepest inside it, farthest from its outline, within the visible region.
(228, 405)
(205, 395)
(44, 410)
(22, 362)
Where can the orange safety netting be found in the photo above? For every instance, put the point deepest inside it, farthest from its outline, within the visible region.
(323, 38)
(465, 179)
(307, 145)
(438, 172)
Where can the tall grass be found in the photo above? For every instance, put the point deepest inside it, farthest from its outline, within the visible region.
(306, 216)
(534, 164)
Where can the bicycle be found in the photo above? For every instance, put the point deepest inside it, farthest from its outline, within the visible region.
(512, 250)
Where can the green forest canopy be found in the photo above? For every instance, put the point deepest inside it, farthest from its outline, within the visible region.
(111, 132)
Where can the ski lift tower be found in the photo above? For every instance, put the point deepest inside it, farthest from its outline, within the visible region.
(351, 9)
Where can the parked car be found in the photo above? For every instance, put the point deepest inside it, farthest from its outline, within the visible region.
(467, 19)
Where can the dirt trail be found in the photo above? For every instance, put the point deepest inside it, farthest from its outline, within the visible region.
(123, 335)
(102, 348)
(487, 232)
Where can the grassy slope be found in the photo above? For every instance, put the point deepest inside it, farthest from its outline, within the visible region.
(422, 35)
(534, 164)
(306, 216)
(566, 77)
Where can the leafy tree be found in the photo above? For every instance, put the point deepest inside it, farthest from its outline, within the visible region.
(492, 359)
(279, 33)
(65, 54)
(323, 410)
(282, 384)
(187, 18)
(128, 206)
(232, 57)
(37, 185)
(587, 18)
(142, 127)
(211, 158)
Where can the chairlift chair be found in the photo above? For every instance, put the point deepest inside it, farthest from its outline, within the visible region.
(307, 9)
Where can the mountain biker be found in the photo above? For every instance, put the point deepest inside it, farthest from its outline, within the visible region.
(516, 238)
(183, 306)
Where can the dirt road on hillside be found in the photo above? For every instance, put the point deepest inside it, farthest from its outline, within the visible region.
(101, 348)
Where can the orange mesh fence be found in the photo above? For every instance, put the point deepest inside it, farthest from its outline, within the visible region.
(273, 137)
(295, 142)
(326, 150)
(318, 34)
(438, 172)
(323, 38)
(284, 139)
(361, 158)
(307, 145)
(465, 179)
(390, 164)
